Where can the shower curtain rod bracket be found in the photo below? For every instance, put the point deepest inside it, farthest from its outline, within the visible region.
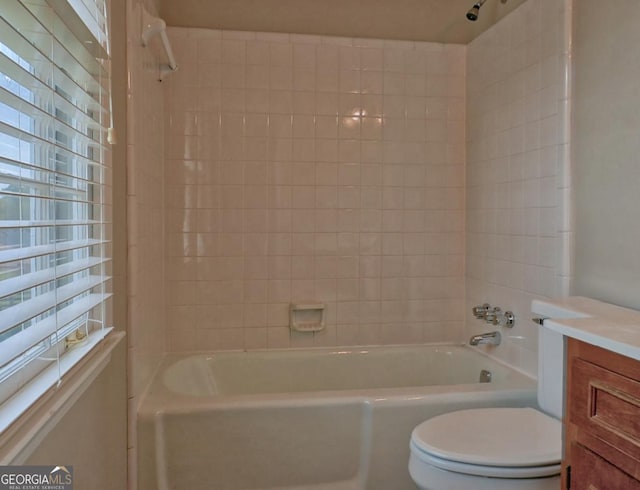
(152, 26)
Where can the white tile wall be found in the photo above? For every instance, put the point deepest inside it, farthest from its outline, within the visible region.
(145, 217)
(302, 168)
(517, 188)
(313, 168)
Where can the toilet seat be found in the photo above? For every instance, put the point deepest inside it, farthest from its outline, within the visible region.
(491, 442)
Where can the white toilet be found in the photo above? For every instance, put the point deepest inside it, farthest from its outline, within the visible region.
(498, 448)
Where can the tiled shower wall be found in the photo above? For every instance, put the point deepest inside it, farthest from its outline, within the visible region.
(303, 168)
(518, 219)
(145, 189)
(145, 216)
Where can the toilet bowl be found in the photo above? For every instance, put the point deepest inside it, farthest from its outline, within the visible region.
(499, 448)
(490, 448)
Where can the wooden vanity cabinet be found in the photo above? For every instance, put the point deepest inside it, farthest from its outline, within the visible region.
(602, 420)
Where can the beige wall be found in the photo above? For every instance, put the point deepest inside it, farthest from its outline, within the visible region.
(606, 150)
(517, 186)
(313, 169)
(92, 435)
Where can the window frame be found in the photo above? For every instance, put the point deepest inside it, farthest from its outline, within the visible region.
(85, 202)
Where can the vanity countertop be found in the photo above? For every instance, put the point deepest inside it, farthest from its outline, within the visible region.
(601, 324)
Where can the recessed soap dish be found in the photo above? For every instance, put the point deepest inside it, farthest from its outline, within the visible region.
(307, 317)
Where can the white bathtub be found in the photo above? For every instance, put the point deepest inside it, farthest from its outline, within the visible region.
(306, 419)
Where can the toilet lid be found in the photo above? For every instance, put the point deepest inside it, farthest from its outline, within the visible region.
(500, 437)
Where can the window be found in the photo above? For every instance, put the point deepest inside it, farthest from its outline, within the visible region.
(55, 182)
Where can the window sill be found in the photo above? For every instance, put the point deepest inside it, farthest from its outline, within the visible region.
(32, 413)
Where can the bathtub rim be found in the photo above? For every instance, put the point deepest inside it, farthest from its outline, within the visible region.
(157, 398)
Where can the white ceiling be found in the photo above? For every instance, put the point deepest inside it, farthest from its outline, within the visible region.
(417, 20)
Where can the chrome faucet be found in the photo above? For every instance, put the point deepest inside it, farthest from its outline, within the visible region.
(486, 338)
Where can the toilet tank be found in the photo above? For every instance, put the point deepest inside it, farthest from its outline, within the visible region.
(551, 356)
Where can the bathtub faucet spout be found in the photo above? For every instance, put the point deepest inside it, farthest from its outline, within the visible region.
(486, 338)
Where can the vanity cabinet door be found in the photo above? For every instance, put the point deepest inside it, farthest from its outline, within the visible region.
(606, 405)
(591, 472)
(602, 420)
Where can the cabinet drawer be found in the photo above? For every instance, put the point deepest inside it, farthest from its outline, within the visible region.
(606, 404)
(591, 472)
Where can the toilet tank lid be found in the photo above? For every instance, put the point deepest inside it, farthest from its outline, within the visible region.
(567, 307)
(511, 437)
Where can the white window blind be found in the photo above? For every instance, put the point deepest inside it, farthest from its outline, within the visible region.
(55, 184)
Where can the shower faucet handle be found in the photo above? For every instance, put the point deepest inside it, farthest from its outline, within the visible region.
(501, 318)
(493, 315)
(508, 319)
(480, 311)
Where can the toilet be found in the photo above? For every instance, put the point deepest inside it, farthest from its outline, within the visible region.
(498, 448)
